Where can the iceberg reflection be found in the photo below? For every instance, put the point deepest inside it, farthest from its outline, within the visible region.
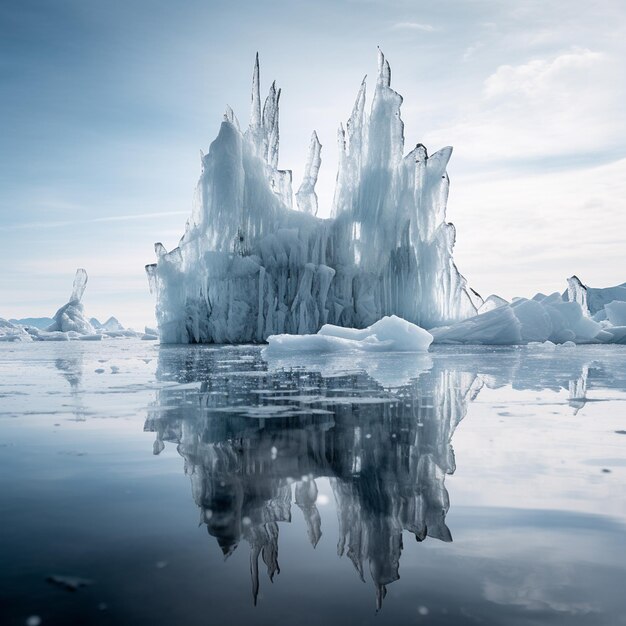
(256, 436)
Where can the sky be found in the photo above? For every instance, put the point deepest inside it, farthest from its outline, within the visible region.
(106, 104)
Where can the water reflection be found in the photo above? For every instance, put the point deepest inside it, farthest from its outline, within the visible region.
(256, 435)
(71, 368)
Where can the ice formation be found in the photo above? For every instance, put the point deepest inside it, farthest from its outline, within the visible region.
(69, 323)
(557, 318)
(71, 317)
(250, 265)
(13, 332)
(389, 334)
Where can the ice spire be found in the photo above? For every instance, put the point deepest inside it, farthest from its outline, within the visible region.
(306, 197)
(270, 126)
(577, 292)
(255, 113)
(384, 70)
(78, 288)
(255, 132)
(229, 116)
(351, 147)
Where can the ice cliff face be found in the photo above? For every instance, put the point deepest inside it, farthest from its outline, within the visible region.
(250, 265)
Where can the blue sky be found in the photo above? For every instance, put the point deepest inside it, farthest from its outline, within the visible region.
(105, 106)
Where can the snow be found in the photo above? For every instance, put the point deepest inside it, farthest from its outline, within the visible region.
(250, 266)
(389, 334)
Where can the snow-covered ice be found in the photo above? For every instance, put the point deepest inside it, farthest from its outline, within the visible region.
(389, 334)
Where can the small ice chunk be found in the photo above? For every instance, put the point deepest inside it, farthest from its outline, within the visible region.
(389, 334)
(70, 583)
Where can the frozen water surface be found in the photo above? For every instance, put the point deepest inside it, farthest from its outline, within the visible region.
(467, 485)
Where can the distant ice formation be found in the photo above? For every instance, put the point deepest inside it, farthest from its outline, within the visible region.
(70, 317)
(10, 331)
(69, 323)
(389, 334)
(250, 265)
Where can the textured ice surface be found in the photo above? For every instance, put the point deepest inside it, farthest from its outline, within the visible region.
(13, 332)
(555, 318)
(389, 334)
(250, 266)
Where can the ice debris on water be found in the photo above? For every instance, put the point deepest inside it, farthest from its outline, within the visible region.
(250, 266)
(389, 334)
(69, 583)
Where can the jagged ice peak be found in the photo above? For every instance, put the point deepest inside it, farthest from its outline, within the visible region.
(251, 264)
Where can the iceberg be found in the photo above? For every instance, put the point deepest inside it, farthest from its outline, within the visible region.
(389, 334)
(71, 316)
(251, 265)
(557, 319)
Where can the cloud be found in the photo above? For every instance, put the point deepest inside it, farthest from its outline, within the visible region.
(426, 28)
(523, 232)
(558, 107)
(541, 77)
(95, 220)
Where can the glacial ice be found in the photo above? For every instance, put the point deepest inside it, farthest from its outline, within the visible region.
(249, 265)
(557, 318)
(389, 334)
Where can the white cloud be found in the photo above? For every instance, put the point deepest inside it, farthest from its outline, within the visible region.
(94, 220)
(427, 28)
(567, 104)
(542, 77)
(519, 233)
